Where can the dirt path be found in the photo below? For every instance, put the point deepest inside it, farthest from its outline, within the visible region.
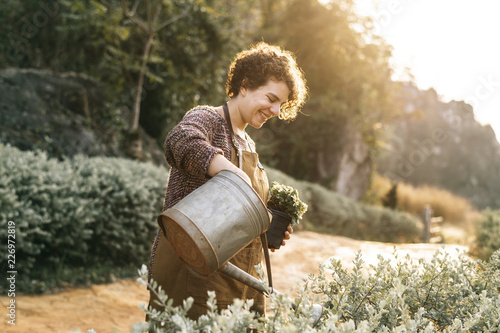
(114, 307)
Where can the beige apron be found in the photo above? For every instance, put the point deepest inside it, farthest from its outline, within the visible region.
(180, 282)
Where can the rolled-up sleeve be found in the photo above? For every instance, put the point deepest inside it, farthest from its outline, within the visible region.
(189, 146)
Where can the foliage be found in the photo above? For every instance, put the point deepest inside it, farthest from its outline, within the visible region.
(349, 85)
(454, 209)
(61, 114)
(286, 199)
(27, 38)
(187, 63)
(346, 69)
(488, 233)
(333, 213)
(443, 294)
(391, 198)
(80, 219)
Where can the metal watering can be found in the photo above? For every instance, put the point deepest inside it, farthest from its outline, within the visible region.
(226, 202)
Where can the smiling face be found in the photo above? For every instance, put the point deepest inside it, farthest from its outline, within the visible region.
(259, 105)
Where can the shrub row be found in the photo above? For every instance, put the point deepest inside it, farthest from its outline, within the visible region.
(444, 294)
(81, 219)
(77, 220)
(487, 234)
(333, 213)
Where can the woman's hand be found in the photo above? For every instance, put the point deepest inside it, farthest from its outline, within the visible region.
(288, 234)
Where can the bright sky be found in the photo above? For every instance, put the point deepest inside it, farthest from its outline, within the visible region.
(450, 45)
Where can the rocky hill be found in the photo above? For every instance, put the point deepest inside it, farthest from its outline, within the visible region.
(441, 144)
(64, 114)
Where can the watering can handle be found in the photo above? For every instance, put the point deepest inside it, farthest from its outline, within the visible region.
(263, 238)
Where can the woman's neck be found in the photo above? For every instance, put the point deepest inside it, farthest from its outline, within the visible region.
(237, 121)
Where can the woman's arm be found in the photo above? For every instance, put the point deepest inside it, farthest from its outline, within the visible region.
(189, 147)
(219, 163)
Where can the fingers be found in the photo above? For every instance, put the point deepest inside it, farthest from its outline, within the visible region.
(288, 233)
(287, 236)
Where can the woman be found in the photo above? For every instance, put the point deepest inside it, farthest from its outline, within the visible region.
(263, 82)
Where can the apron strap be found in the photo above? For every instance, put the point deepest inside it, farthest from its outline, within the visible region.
(263, 236)
(228, 121)
(235, 144)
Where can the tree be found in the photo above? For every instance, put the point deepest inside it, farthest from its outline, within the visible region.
(391, 198)
(349, 85)
(183, 63)
(150, 27)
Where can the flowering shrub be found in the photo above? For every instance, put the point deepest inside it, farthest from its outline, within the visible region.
(443, 294)
(286, 199)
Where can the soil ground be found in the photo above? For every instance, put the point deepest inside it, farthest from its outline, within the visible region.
(113, 307)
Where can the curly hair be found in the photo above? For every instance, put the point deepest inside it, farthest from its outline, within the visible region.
(254, 67)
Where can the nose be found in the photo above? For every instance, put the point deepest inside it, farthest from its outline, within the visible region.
(275, 109)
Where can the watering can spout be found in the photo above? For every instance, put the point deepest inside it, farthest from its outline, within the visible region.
(238, 274)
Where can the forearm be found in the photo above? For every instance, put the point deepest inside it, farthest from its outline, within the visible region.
(219, 163)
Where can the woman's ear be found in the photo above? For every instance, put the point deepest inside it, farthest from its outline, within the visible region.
(243, 87)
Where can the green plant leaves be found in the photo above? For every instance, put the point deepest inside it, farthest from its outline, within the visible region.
(80, 219)
(286, 199)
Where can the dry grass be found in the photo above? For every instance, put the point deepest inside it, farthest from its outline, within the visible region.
(455, 210)
(458, 214)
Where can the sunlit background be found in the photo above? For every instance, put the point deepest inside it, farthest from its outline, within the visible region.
(88, 94)
(449, 45)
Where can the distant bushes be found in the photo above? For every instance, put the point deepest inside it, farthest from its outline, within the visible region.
(333, 213)
(487, 234)
(83, 220)
(80, 219)
(454, 209)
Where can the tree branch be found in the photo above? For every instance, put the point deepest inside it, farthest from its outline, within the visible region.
(132, 17)
(173, 19)
(136, 4)
(157, 15)
(148, 11)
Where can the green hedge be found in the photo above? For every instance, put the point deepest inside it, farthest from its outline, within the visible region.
(83, 220)
(333, 213)
(488, 233)
(78, 220)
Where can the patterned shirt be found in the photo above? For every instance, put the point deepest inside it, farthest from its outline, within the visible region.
(190, 147)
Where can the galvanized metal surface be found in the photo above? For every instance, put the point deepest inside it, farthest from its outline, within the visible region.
(214, 222)
(236, 273)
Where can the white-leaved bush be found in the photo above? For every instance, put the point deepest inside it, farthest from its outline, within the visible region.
(443, 294)
(77, 220)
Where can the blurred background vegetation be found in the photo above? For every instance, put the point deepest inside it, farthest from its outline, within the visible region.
(109, 79)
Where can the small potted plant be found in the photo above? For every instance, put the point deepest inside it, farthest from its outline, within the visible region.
(286, 208)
